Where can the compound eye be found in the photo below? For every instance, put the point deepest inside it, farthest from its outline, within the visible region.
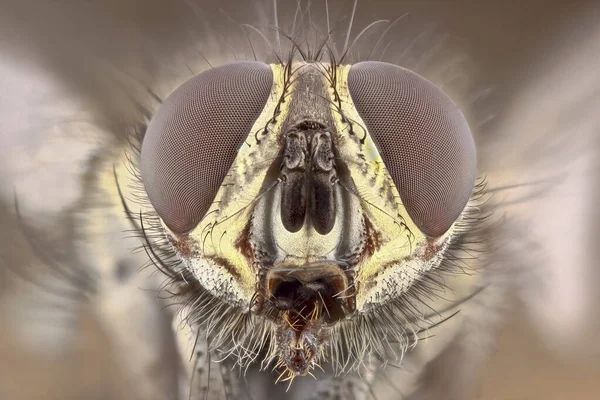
(423, 138)
(194, 136)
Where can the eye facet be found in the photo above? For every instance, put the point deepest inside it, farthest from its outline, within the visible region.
(194, 136)
(423, 139)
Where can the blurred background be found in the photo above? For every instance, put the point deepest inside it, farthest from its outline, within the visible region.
(76, 76)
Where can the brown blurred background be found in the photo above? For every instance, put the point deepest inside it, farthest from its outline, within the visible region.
(529, 71)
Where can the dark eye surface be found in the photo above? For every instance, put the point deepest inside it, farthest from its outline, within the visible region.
(423, 138)
(193, 139)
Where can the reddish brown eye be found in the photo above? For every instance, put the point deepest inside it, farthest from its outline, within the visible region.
(424, 140)
(193, 138)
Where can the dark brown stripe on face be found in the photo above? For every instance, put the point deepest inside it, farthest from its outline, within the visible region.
(308, 171)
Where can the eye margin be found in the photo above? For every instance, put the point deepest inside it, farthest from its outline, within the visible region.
(200, 107)
(371, 85)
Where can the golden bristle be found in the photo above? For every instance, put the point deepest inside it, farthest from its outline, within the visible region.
(314, 315)
(280, 375)
(317, 365)
(291, 378)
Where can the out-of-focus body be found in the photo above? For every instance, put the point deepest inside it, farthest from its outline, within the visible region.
(517, 145)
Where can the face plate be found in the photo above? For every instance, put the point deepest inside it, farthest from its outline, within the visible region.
(348, 245)
(224, 249)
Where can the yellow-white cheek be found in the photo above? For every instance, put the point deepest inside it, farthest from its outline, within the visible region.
(397, 279)
(218, 281)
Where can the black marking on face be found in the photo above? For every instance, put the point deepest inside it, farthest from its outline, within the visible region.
(293, 181)
(323, 180)
(308, 177)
